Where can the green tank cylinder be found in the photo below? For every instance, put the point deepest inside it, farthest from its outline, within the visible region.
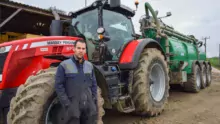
(202, 54)
(180, 52)
(184, 53)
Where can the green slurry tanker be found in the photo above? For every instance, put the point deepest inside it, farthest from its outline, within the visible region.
(133, 72)
(184, 54)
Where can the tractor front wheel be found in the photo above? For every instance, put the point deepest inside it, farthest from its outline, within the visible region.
(36, 102)
(151, 83)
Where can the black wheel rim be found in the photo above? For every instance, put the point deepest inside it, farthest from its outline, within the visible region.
(55, 113)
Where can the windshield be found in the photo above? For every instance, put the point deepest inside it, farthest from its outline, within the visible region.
(88, 23)
(87, 26)
(119, 28)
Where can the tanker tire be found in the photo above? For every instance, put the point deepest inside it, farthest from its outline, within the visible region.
(209, 75)
(31, 103)
(191, 85)
(144, 103)
(204, 77)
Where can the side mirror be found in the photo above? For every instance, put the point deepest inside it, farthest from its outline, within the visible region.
(115, 3)
(169, 14)
(56, 28)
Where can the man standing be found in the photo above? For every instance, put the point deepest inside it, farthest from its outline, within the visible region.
(76, 87)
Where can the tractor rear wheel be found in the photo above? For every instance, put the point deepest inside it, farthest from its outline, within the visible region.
(194, 80)
(204, 76)
(36, 102)
(150, 83)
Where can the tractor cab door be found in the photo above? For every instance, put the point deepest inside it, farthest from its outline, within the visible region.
(86, 25)
(120, 29)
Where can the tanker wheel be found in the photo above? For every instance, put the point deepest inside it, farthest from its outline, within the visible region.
(194, 80)
(209, 75)
(204, 76)
(150, 83)
(36, 102)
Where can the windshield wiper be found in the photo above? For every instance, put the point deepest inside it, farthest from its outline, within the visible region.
(136, 36)
(76, 31)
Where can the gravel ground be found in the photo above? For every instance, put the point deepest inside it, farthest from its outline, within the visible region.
(183, 108)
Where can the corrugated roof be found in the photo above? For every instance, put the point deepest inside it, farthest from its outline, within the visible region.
(32, 9)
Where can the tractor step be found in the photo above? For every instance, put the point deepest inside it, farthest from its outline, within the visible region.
(125, 104)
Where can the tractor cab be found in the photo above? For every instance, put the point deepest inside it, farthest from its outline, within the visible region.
(106, 27)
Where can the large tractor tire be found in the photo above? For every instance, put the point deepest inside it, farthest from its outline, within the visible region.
(204, 76)
(35, 100)
(209, 75)
(150, 90)
(194, 80)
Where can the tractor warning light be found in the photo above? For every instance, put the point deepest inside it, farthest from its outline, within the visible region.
(136, 4)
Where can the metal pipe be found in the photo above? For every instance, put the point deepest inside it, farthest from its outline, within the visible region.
(10, 17)
(166, 29)
(148, 7)
(167, 49)
(56, 15)
(178, 34)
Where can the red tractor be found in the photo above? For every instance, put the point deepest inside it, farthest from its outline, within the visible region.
(22, 58)
(125, 66)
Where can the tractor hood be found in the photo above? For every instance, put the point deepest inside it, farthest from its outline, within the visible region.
(21, 58)
(47, 39)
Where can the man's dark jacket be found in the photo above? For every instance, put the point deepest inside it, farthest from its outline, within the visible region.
(76, 82)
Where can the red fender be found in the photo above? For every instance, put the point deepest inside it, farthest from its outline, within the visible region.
(132, 51)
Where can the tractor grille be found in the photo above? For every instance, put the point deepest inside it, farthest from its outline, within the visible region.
(3, 57)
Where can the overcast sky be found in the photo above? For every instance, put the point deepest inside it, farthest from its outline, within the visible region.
(198, 17)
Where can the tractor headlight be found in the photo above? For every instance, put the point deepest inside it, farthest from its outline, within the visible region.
(2, 49)
(101, 30)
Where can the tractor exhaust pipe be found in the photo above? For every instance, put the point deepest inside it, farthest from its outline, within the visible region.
(56, 25)
(56, 15)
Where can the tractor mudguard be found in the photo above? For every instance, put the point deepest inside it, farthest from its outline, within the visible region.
(132, 51)
(196, 62)
(208, 64)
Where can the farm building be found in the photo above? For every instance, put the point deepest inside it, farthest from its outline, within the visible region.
(18, 21)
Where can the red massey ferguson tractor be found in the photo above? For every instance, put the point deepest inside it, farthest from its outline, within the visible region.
(23, 58)
(125, 66)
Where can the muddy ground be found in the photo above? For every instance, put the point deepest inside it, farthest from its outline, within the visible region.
(183, 108)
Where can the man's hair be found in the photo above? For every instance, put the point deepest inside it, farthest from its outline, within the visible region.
(81, 41)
